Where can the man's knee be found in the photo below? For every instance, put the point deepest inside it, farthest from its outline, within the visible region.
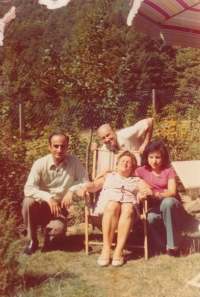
(152, 217)
(29, 202)
(57, 227)
(30, 209)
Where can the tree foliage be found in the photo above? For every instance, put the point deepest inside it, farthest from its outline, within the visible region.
(83, 52)
(10, 278)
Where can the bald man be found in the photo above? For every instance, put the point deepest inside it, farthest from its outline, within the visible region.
(134, 138)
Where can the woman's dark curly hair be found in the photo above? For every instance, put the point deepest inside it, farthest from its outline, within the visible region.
(153, 146)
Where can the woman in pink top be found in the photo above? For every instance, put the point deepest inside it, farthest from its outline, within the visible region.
(118, 204)
(166, 213)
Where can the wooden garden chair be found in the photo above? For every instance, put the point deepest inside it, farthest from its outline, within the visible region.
(102, 160)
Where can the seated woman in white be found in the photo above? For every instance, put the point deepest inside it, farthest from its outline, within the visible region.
(118, 204)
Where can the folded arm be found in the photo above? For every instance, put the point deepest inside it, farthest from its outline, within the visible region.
(148, 191)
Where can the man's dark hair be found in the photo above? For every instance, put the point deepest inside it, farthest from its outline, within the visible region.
(153, 146)
(58, 133)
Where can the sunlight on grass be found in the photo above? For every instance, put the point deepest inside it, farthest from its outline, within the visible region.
(75, 274)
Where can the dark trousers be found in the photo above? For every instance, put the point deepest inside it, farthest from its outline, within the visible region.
(164, 225)
(39, 214)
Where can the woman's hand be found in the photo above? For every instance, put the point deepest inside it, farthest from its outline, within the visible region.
(141, 197)
(82, 193)
(144, 193)
(147, 191)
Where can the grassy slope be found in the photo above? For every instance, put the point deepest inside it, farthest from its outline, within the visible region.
(72, 273)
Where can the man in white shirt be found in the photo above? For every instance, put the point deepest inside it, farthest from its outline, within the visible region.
(134, 138)
(49, 191)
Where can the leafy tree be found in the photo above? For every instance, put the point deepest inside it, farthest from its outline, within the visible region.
(187, 63)
(102, 59)
(152, 65)
(13, 167)
(96, 65)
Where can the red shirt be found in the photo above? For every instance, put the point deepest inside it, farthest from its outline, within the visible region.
(159, 183)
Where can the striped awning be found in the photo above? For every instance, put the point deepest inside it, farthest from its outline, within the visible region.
(177, 22)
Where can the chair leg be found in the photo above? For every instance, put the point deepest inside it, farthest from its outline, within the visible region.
(86, 228)
(145, 241)
(145, 230)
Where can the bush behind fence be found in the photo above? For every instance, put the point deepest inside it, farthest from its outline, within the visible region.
(124, 112)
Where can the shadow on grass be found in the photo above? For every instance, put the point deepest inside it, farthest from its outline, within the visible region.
(131, 254)
(136, 239)
(72, 243)
(75, 243)
(35, 281)
(190, 241)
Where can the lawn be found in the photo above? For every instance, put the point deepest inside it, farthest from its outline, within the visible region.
(72, 273)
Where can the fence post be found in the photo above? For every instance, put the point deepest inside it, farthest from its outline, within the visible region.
(89, 142)
(21, 118)
(88, 150)
(154, 100)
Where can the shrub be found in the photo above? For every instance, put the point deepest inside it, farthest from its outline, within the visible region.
(13, 168)
(178, 127)
(9, 266)
(181, 133)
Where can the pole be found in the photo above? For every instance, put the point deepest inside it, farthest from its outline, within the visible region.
(89, 142)
(88, 151)
(154, 99)
(21, 118)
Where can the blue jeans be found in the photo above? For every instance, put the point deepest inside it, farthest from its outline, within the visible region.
(164, 225)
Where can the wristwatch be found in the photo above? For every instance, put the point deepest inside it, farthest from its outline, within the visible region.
(159, 196)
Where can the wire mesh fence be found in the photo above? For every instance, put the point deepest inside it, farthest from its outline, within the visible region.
(86, 116)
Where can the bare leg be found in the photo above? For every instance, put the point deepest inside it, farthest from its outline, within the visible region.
(124, 228)
(109, 225)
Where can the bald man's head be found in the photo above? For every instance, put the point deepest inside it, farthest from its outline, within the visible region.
(108, 135)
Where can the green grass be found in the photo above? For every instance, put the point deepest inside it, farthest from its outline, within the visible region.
(72, 273)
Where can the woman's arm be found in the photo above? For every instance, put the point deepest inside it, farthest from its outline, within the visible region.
(103, 173)
(170, 192)
(91, 187)
(143, 185)
(145, 190)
